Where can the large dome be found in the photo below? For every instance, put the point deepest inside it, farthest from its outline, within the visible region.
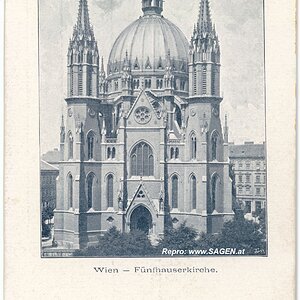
(147, 42)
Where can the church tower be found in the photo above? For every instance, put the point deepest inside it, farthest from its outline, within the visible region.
(204, 68)
(83, 57)
(204, 125)
(80, 137)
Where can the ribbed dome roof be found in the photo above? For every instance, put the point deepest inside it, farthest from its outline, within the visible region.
(148, 40)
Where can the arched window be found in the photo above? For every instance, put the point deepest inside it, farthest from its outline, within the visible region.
(215, 192)
(178, 116)
(175, 191)
(70, 191)
(172, 153)
(194, 192)
(113, 153)
(70, 146)
(177, 153)
(193, 146)
(90, 141)
(108, 152)
(214, 141)
(90, 180)
(110, 190)
(142, 160)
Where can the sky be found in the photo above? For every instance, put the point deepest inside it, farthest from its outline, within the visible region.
(239, 24)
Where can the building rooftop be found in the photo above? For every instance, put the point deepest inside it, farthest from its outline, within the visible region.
(248, 150)
(51, 156)
(47, 167)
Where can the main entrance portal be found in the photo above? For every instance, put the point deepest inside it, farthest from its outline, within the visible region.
(141, 220)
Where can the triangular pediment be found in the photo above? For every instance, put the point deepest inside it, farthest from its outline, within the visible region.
(145, 111)
(141, 196)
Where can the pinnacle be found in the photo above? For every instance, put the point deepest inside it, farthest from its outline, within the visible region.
(83, 21)
(204, 20)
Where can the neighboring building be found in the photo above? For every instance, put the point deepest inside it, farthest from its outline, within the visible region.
(249, 165)
(142, 145)
(49, 175)
(52, 157)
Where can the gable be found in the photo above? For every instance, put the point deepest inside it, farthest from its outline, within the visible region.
(146, 111)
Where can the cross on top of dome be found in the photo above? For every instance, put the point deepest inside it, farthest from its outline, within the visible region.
(152, 7)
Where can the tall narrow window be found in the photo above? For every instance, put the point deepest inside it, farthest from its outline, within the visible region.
(214, 141)
(213, 80)
(214, 193)
(70, 191)
(177, 153)
(113, 153)
(194, 192)
(110, 191)
(142, 160)
(90, 81)
(195, 81)
(174, 191)
(193, 146)
(90, 190)
(70, 146)
(204, 80)
(172, 152)
(80, 90)
(90, 140)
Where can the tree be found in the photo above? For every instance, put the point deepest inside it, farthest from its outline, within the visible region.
(243, 234)
(114, 243)
(182, 238)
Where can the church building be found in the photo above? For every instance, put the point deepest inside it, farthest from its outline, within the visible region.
(141, 142)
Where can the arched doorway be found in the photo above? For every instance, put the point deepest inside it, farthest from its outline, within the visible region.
(141, 219)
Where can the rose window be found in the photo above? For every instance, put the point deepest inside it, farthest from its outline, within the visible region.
(142, 115)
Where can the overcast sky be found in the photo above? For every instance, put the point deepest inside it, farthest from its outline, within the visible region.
(239, 25)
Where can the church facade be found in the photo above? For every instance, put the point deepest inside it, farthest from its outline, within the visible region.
(141, 142)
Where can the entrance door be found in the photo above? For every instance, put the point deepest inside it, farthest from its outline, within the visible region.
(141, 220)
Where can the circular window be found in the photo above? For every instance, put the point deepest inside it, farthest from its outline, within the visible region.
(142, 115)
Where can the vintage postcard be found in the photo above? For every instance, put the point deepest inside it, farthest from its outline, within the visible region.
(162, 147)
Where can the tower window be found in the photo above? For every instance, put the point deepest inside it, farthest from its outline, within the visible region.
(214, 142)
(175, 191)
(89, 81)
(90, 190)
(213, 81)
(90, 140)
(110, 190)
(70, 146)
(172, 153)
(108, 152)
(142, 160)
(193, 146)
(177, 153)
(113, 153)
(194, 192)
(195, 81)
(215, 192)
(204, 80)
(70, 191)
(80, 87)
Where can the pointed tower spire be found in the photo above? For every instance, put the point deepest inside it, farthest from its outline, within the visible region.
(83, 21)
(83, 57)
(204, 19)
